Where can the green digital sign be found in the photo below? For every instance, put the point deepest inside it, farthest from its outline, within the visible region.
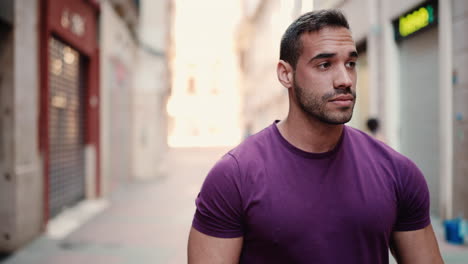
(415, 20)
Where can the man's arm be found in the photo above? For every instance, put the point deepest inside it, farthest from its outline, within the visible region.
(414, 247)
(206, 249)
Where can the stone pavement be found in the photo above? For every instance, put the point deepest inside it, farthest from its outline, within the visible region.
(148, 221)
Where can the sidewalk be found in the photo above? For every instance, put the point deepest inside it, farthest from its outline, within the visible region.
(146, 222)
(149, 221)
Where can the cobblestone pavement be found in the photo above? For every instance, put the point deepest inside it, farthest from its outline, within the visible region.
(148, 221)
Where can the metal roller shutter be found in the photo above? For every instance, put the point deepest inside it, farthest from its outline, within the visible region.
(66, 127)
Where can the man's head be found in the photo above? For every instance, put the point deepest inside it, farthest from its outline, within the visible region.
(291, 44)
(317, 65)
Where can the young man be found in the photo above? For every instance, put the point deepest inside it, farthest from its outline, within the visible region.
(309, 189)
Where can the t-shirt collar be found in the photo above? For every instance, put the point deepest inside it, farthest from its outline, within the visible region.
(303, 153)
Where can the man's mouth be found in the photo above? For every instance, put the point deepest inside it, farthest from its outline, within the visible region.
(343, 100)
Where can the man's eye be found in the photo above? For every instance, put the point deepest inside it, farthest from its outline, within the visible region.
(324, 65)
(351, 64)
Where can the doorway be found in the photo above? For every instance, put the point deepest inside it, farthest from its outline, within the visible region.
(419, 118)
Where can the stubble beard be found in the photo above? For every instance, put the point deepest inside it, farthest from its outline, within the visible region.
(315, 106)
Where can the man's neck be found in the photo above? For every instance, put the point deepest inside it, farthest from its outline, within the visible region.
(309, 134)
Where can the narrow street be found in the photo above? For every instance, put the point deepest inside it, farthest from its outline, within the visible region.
(146, 221)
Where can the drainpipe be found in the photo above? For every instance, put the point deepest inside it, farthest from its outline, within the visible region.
(445, 110)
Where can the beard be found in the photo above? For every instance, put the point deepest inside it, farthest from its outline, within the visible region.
(315, 106)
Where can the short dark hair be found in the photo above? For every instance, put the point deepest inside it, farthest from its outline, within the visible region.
(291, 44)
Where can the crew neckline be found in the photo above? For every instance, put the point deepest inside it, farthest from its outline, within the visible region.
(310, 155)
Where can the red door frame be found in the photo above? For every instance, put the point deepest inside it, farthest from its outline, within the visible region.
(52, 14)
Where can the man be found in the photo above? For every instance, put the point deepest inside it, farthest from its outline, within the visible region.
(309, 189)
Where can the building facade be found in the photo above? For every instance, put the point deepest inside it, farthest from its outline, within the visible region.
(21, 163)
(82, 94)
(204, 106)
(152, 87)
(134, 68)
(69, 103)
(259, 35)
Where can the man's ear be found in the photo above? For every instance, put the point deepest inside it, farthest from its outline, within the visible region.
(285, 74)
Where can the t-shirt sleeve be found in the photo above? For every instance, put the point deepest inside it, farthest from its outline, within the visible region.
(413, 200)
(219, 203)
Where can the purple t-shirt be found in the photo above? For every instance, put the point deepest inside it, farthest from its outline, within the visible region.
(293, 206)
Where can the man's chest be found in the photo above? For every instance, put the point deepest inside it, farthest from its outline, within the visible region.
(295, 206)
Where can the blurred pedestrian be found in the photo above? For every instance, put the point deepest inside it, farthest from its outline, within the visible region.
(373, 126)
(309, 189)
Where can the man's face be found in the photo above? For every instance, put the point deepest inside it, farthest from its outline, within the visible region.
(324, 84)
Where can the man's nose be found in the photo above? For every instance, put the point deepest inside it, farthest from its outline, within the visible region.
(343, 78)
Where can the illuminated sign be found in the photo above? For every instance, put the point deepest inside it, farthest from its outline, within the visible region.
(415, 20)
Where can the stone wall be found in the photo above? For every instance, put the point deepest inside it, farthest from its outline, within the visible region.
(460, 97)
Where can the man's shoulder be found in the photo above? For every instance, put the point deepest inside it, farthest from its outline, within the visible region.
(249, 154)
(393, 165)
(254, 145)
(376, 148)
